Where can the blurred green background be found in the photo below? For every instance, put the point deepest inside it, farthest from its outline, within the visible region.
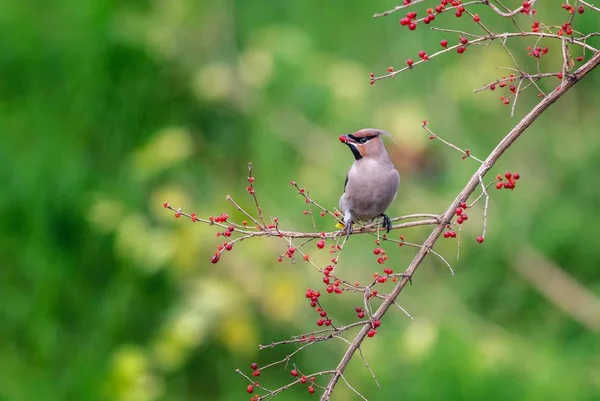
(109, 108)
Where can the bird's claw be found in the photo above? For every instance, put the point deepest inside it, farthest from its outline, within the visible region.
(387, 223)
(348, 230)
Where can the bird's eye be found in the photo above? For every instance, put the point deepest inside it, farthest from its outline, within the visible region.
(363, 140)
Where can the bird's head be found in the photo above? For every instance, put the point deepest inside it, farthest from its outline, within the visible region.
(366, 143)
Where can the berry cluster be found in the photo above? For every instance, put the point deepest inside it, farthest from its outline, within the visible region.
(527, 8)
(537, 52)
(250, 188)
(511, 180)
(571, 9)
(565, 29)
(461, 217)
(294, 373)
(314, 296)
(374, 325)
(409, 20)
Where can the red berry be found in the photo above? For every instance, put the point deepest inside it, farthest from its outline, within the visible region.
(444, 43)
(580, 58)
(516, 176)
(453, 234)
(446, 234)
(361, 315)
(476, 18)
(404, 21)
(422, 54)
(256, 373)
(409, 62)
(412, 26)
(294, 373)
(461, 50)
(463, 205)
(508, 175)
(166, 205)
(480, 239)
(250, 388)
(458, 211)
(253, 366)
(303, 380)
(376, 323)
(464, 40)
(311, 389)
(321, 244)
(371, 332)
(411, 15)
(560, 75)
(215, 258)
(581, 10)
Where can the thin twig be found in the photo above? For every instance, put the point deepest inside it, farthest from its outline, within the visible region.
(589, 5)
(253, 192)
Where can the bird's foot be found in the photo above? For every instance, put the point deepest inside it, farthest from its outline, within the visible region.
(348, 229)
(387, 223)
(348, 223)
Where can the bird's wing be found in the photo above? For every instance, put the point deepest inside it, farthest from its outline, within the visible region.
(345, 183)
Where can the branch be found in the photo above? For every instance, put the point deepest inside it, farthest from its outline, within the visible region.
(501, 13)
(486, 38)
(446, 217)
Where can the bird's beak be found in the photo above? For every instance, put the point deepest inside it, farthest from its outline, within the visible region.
(347, 140)
(352, 144)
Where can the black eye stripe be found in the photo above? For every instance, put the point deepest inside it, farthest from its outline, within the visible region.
(363, 139)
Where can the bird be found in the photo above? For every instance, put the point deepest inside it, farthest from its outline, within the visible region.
(372, 181)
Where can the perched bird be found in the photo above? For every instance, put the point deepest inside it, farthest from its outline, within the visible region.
(372, 181)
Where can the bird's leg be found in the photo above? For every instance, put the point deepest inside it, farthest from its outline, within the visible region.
(387, 223)
(348, 223)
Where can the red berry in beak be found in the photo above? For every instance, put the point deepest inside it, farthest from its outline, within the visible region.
(343, 138)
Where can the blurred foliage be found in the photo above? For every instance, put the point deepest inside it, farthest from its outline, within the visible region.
(109, 108)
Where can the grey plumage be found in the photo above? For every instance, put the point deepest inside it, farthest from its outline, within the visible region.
(372, 181)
